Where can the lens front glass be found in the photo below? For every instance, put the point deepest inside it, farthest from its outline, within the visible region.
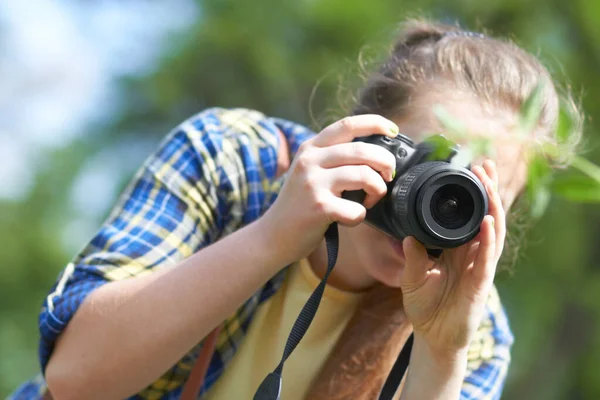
(452, 206)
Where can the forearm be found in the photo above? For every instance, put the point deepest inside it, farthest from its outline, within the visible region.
(127, 333)
(362, 358)
(432, 375)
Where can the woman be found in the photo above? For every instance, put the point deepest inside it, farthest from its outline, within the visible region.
(206, 228)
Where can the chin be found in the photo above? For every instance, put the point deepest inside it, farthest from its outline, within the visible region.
(386, 271)
(377, 253)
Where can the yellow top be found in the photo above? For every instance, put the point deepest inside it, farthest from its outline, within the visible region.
(262, 348)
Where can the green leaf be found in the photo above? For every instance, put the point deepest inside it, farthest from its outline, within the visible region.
(478, 146)
(565, 125)
(531, 109)
(578, 188)
(539, 175)
(451, 124)
(539, 201)
(482, 146)
(587, 167)
(442, 147)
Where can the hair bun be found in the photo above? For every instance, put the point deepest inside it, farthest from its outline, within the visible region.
(418, 32)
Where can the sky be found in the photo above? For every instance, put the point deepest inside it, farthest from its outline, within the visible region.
(59, 61)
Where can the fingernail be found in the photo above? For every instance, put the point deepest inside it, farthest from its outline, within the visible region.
(394, 129)
(394, 174)
(493, 222)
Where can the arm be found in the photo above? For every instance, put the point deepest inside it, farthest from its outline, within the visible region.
(483, 368)
(127, 333)
(433, 375)
(141, 295)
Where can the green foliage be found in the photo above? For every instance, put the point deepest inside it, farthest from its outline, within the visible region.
(452, 125)
(539, 176)
(578, 188)
(587, 167)
(442, 147)
(531, 110)
(541, 183)
(565, 128)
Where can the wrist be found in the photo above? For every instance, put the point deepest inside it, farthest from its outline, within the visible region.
(434, 373)
(442, 357)
(271, 243)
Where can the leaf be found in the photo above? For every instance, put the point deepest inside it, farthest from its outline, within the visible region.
(482, 146)
(531, 109)
(538, 179)
(539, 201)
(450, 123)
(578, 188)
(442, 147)
(565, 124)
(479, 146)
(587, 167)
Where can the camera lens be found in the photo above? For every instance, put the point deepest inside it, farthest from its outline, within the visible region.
(440, 204)
(452, 206)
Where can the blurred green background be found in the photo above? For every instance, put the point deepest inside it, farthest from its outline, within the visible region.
(88, 89)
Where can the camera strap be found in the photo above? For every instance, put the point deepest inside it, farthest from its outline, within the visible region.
(270, 388)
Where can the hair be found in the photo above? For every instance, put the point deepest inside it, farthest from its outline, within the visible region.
(497, 73)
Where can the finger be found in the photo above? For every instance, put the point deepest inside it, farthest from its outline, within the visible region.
(355, 177)
(349, 128)
(495, 208)
(358, 153)
(472, 253)
(490, 168)
(484, 266)
(345, 212)
(459, 255)
(417, 264)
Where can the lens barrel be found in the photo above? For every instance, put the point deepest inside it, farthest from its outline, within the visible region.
(440, 204)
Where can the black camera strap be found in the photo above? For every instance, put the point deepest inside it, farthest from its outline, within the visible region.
(270, 388)
(395, 377)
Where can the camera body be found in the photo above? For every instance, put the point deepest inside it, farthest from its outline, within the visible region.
(439, 203)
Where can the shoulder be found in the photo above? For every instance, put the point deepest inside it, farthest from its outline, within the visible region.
(218, 142)
(241, 124)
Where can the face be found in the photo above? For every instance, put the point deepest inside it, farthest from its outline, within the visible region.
(378, 255)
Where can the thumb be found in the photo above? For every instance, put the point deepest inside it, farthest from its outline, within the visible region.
(417, 265)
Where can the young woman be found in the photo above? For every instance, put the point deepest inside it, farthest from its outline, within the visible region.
(207, 227)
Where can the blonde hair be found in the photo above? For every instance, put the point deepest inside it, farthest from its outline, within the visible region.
(497, 72)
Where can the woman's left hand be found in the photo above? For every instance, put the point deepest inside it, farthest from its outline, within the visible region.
(445, 299)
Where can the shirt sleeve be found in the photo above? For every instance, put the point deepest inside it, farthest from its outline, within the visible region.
(189, 193)
(489, 354)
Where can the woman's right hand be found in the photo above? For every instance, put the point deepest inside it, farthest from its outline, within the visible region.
(325, 166)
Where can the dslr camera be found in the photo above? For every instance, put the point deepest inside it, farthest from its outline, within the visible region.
(439, 203)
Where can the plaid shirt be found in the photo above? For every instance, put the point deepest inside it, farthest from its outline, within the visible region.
(211, 175)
